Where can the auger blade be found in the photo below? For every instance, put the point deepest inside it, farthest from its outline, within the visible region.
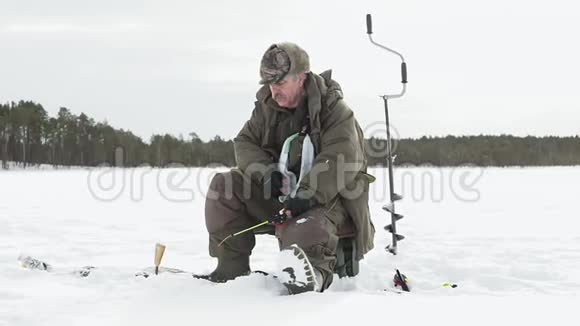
(399, 237)
(389, 207)
(397, 197)
(390, 249)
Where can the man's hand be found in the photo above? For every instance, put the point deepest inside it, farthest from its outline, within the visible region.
(275, 184)
(296, 206)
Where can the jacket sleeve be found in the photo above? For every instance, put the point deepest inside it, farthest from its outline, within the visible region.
(340, 160)
(250, 157)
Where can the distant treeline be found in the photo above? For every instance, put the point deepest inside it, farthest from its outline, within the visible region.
(504, 150)
(30, 137)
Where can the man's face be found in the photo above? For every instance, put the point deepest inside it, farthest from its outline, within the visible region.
(288, 91)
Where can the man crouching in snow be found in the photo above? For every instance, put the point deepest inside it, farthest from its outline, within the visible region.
(302, 154)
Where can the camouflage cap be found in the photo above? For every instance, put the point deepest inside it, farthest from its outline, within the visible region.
(283, 59)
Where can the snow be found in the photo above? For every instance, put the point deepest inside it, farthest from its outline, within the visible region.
(508, 237)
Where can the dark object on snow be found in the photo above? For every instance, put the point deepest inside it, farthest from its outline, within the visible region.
(400, 280)
(451, 285)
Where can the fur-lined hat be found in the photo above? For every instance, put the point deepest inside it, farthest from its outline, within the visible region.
(283, 59)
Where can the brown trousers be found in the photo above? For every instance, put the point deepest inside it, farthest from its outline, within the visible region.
(234, 202)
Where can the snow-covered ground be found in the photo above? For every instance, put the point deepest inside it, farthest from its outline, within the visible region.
(509, 238)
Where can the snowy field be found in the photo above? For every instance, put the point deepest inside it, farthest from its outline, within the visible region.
(509, 238)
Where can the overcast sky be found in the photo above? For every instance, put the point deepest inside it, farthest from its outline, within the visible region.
(475, 67)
